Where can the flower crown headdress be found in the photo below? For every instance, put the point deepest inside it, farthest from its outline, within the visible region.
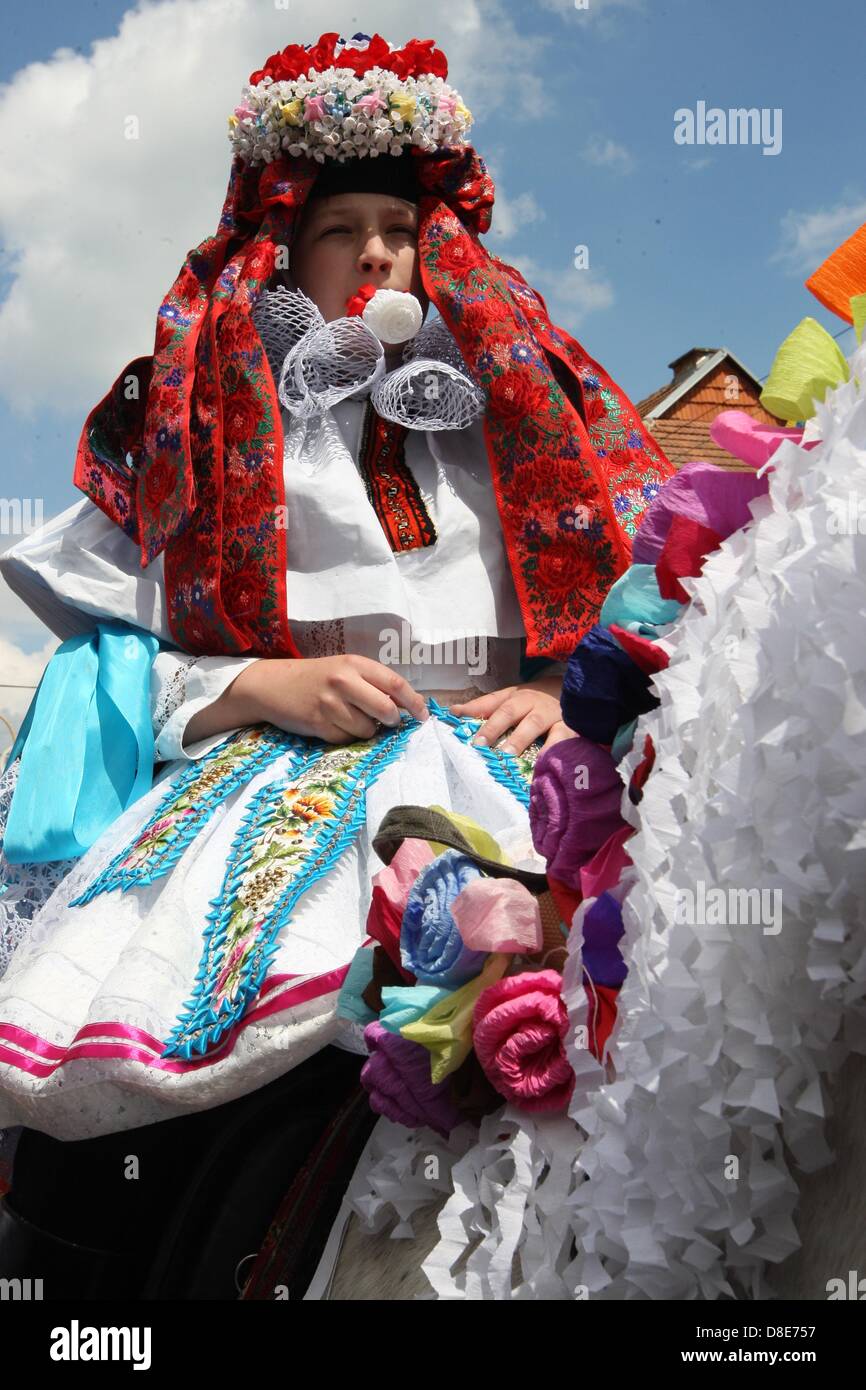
(344, 99)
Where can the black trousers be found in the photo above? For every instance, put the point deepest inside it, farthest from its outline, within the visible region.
(81, 1190)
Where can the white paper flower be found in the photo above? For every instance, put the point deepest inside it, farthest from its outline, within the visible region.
(393, 315)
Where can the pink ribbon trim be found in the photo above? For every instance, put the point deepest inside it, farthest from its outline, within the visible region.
(295, 995)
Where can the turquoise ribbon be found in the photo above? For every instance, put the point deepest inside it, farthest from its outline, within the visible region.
(86, 744)
(403, 1004)
(349, 1002)
(634, 602)
(623, 740)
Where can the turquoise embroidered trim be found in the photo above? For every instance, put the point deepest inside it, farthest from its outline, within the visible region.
(190, 801)
(294, 830)
(511, 770)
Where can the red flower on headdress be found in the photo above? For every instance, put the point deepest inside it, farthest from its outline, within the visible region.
(377, 54)
(416, 57)
(284, 66)
(321, 55)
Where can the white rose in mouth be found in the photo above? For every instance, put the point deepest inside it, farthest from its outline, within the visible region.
(393, 315)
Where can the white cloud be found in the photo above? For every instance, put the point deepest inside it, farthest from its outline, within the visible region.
(807, 238)
(20, 673)
(605, 19)
(696, 166)
(570, 294)
(608, 154)
(510, 215)
(95, 226)
(594, 11)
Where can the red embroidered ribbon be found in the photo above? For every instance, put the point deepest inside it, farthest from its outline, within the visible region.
(391, 486)
(185, 451)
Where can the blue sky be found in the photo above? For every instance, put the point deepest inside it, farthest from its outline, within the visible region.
(688, 245)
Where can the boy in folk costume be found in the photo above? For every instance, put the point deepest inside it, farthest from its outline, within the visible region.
(299, 472)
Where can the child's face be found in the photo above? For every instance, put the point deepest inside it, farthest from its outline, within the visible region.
(351, 239)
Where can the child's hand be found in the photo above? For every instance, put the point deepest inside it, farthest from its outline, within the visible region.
(335, 698)
(529, 711)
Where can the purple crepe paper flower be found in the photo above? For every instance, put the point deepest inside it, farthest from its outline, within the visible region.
(574, 801)
(397, 1077)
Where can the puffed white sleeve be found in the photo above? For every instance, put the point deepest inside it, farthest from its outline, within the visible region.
(80, 567)
(180, 686)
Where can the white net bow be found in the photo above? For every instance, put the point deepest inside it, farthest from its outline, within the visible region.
(428, 395)
(317, 364)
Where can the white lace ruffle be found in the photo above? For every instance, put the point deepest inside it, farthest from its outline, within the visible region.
(726, 1034)
(24, 888)
(169, 673)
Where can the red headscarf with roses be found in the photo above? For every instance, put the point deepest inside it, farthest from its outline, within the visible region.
(185, 452)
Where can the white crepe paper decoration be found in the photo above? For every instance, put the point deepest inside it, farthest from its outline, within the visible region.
(725, 1032)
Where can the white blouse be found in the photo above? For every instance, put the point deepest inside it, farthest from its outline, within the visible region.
(347, 590)
(341, 562)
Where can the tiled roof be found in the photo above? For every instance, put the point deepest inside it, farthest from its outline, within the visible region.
(686, 440)
(645, 406)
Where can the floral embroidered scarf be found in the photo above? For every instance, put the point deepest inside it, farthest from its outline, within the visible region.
(185, 452)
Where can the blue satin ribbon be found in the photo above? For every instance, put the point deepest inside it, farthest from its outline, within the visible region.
(86, 744)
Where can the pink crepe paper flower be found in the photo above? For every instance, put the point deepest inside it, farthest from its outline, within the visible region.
(606, 865)
(753, 441)
(498, 914)
(391, 887)
(715, 497)
(520, 1023)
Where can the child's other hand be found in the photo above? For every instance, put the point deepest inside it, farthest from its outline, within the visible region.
(528, 711)
(335, 698)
